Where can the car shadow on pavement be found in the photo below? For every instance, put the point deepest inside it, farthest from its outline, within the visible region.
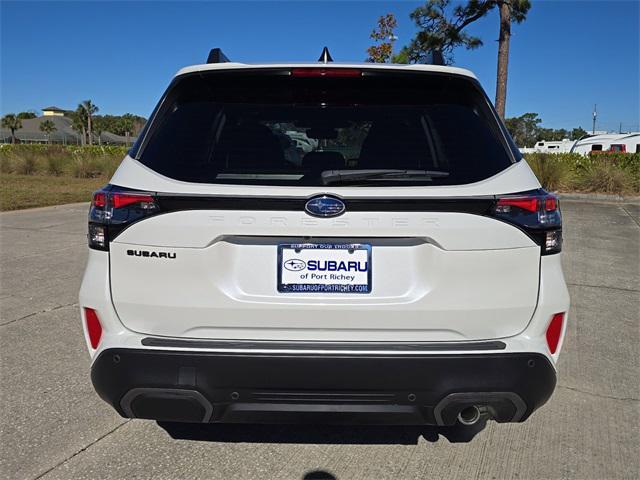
(320, 434)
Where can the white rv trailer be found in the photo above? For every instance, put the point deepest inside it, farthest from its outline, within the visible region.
(610, 142)
(555, 146)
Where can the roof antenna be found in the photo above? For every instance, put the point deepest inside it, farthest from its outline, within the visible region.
(216, 56)
(434, 57)
(325, 56)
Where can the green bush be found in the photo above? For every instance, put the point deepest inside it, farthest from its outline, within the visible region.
(604, 177)
(80, 162)
(26, 165)
(6, 165)
(55, 166)
(602, 172)
(86, 166)
(552, 171)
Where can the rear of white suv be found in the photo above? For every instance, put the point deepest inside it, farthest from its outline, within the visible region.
(403, 267)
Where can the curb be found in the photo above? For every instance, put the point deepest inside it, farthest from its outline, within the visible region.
(598, 197)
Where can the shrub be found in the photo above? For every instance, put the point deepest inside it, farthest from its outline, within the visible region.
(86, 167)
(604, 177)
(55, 165)
(6, 166)
(26, 165)
(552, 170)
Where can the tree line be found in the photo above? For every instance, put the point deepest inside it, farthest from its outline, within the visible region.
(526, 130)
(84, 120)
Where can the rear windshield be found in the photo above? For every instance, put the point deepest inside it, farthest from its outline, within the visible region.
(274, 128)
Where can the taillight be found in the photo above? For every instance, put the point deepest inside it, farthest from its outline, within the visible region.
(554, 330)
(326, 72)
(120, 200)
(537, 214)
(94, 328)
(113, 209)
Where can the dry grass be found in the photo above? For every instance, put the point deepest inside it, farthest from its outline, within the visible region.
(553, 173)
(605, 177)
(29, 191)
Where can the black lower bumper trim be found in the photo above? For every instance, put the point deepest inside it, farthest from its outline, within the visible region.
(273, 388)
(333, 346)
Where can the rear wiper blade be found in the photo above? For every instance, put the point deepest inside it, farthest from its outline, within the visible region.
(339, 176)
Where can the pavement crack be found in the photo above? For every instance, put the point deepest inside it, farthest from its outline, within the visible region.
(631, 216)
(46, 310)
(603, 286)
(599, 395)
(83, 449)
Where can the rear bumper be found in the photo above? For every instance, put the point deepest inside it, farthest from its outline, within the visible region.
(192, 386)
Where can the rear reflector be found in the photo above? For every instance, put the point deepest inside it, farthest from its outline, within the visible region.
(94, 329)
(326, 72)
(554, 330)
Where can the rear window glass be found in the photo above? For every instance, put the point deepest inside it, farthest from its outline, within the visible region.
(276, 129)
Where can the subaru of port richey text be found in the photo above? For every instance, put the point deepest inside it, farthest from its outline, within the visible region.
(324, 243)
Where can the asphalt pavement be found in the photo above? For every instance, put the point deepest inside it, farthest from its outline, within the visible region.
(54, 426)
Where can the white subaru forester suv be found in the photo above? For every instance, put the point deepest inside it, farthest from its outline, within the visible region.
(324, 243)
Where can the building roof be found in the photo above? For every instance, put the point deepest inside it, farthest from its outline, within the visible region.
(64, 133)
(52, 109)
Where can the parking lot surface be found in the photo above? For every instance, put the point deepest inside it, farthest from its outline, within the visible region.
(53, 425)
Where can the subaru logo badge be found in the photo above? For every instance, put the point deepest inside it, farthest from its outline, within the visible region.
(325, 206)
(295, 265)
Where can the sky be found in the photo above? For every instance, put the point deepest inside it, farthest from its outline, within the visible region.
(566, 57)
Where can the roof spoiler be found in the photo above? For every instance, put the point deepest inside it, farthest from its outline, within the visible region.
(216, 56)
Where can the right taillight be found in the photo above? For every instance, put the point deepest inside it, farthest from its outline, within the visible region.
(113, 209)
(537, 214)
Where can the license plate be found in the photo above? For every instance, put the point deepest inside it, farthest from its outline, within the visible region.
(324, 268)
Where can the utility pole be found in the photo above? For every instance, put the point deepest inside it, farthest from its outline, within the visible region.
(595, 114)
(620, 130)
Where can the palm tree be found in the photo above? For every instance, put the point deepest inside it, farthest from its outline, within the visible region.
(79, 122)
(443, 28)
(90, 109)
(98, 125)
(510, 10)
(13, 123)
(47, 127)
(127, 124)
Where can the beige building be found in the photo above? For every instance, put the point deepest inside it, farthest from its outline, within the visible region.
(53, 112)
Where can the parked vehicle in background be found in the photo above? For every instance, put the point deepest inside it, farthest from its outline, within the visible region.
(619, 142)
(389, 277)
(609, 142)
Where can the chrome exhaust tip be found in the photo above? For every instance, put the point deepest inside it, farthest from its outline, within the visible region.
(469, 415)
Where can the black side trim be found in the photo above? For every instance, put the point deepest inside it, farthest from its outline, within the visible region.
(336, 346)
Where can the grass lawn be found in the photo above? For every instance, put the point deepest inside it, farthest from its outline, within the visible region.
(29, 191)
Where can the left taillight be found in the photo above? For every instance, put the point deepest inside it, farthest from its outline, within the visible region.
(113, 209)
(537, 214)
